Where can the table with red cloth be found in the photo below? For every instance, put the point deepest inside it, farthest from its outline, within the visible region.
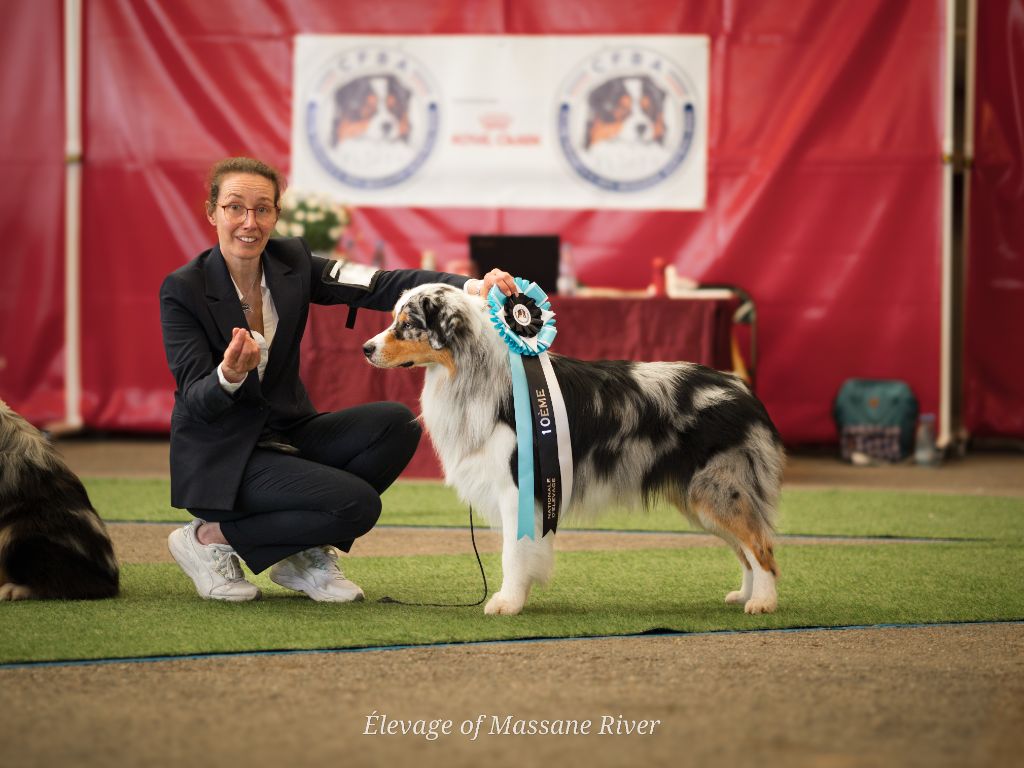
(337, 375)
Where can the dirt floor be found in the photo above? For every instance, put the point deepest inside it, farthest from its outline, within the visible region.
(946, 696)
(939, 696)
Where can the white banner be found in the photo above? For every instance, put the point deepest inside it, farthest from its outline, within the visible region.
(515, 121)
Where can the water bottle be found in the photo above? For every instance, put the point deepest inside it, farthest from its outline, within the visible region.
(925, 453)
(566, 271)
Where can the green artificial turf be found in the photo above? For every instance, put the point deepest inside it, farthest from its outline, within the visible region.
(812, 512)
(593, 593)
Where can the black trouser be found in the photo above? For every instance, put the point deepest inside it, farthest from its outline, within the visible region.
(327, 494)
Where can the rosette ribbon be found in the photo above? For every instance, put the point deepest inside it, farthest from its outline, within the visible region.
(526, 324)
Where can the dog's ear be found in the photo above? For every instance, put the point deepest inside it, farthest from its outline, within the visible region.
(453, 325)
(444, 321)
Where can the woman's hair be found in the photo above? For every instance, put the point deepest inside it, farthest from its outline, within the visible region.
(241, 165)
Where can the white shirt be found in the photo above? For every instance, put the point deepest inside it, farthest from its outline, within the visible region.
(263, 340)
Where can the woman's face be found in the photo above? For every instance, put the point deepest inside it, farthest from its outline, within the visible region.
(244, 227)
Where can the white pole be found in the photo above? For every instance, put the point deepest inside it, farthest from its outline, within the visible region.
(946, 353)
(72, 211)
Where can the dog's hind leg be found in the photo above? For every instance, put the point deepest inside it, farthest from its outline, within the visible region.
(523, 561)
(728, 500)
(741, 528)
(753, 546)
(764, 598)
(741, 595)
(735, 495)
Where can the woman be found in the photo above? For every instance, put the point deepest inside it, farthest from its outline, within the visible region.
(265, 476)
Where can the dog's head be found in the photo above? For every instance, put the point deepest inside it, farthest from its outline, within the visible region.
(432, 324)
(626, 109)
(372, 107)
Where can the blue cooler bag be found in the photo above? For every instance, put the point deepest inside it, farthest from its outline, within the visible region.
(875, 417)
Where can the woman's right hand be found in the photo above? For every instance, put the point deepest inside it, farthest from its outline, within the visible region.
(241, 356)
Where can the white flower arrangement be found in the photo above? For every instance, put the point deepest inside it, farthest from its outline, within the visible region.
(316, 218)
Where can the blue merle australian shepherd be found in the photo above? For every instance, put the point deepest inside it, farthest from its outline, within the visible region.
(640, 432)
(52, 542)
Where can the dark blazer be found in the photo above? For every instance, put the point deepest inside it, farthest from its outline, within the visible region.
(213, 433)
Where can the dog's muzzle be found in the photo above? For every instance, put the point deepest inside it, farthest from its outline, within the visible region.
(370, 350)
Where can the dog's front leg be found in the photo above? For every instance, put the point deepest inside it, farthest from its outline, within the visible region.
(11, 591)
(519, 559)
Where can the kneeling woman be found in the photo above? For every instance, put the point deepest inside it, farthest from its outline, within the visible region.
(266, 477)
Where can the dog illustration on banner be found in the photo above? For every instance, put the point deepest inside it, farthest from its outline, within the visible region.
(628, 118)
(52, 542)
(626, 110)
(640, 432)
(371, 116)
(372, 108)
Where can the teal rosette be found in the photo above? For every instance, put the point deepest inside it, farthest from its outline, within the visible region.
(524, 321)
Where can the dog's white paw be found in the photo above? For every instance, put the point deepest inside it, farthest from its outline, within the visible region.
(742, 595)
(761, 605)
(11, 591)
(500, 605)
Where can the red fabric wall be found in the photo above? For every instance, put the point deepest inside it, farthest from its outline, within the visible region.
(993, 364)
(32, 208)
(823, 189)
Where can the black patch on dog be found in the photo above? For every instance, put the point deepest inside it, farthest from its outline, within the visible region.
(629, 413)
(56, 552)
(443, 323)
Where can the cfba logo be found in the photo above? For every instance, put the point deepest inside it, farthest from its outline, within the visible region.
(626, 118)
(372, 117)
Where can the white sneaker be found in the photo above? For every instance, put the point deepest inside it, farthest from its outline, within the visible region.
(213, 568)
(316, 572)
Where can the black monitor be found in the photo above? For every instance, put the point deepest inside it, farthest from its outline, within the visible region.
(531, 257)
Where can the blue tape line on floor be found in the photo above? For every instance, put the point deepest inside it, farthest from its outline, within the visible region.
(368, 649)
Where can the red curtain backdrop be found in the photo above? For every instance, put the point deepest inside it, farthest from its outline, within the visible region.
(823, 190)
(994, 366)
(32, 208)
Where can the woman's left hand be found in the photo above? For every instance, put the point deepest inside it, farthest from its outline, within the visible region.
(499, 277)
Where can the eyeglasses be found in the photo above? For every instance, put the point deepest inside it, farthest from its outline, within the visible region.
(236, 212)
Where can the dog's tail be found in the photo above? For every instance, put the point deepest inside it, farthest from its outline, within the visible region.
(79, 568)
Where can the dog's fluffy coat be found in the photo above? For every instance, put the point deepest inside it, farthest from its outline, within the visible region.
(681, 432)
(52, 542)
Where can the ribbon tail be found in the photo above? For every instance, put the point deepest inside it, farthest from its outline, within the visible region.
(562, 430)
(524, 441)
